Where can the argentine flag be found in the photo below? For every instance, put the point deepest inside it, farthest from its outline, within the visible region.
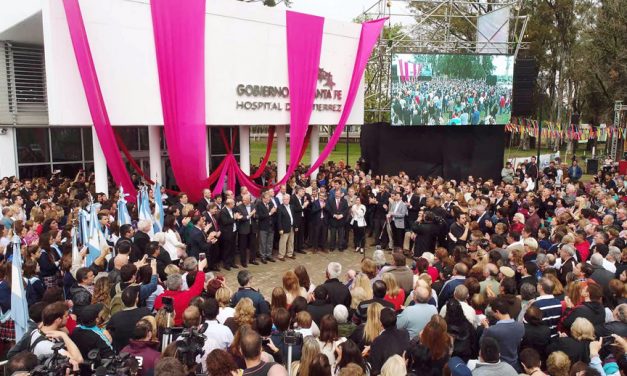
(123, 217)
(158, 215)
(144, 209)
(95, 237)
(19, 310)
(83, 227)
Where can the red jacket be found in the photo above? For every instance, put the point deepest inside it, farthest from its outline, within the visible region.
(181, 299)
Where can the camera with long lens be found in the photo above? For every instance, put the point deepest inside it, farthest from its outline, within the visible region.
(292, 338)
(117, 365)
(189, 345)
(55, 364)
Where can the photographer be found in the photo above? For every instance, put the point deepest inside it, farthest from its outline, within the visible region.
(425, 233)
(54, 318)
(251, 346)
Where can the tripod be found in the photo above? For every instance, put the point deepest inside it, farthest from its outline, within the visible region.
(166, 337)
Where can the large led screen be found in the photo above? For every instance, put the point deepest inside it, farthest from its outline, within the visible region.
(452, 90)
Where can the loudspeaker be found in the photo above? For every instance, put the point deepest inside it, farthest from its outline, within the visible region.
(592, 166)
(525, 77)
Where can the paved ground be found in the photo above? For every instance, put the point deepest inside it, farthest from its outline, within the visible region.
(266, 277)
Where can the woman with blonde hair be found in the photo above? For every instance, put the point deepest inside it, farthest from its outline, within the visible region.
(362, 280)
(358, 295)
(153, 323)
(558, 364)
(395, 294)
(223, 297)
(292, 287)
(311, 348)
(369, 268)
(394, 366)
(244, 315)
(102, 294)
(577, 344)
(365, 333)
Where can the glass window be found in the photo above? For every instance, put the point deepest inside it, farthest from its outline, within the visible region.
(129, 136)
(32, 145)
(67, 170)
(38, 171)
(236, 148)
(217, 145)
(66, 144)
(143, 138)
(87, 144)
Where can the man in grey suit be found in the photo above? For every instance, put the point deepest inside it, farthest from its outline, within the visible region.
(396, 217)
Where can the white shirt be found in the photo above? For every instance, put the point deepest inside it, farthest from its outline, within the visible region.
(609, 266)
(289, 211)
(219, 333)
(171, 244)
(225, 313)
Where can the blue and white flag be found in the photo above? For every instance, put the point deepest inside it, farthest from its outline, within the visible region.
(158, 216)
(83, 227)
(123, 217)
(144, 209)
(19, 306)
(95, 237)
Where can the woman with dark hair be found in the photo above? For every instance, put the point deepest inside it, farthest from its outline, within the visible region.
(462, 331)
(509, 291)
(49, 224)
(320, 366)
(303, 279)
(48, 269)
(221, 363)
(435, 337)
(34, 286)
(537, 334)
(419, 360)
(349, 352)
(329, 338)
(278, 299)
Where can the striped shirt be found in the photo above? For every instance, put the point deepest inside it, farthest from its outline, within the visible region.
(551, 308)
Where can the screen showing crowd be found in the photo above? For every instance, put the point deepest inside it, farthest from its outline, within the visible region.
(447, 89)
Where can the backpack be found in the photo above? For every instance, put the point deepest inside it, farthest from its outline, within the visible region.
(117, 304)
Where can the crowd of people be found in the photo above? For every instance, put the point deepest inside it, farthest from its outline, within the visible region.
(471, 277)
(443, 101)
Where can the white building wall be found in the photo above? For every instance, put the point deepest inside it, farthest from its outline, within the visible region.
(8, 164)
(244, 45)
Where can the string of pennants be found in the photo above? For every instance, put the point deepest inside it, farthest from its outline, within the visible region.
(567, 132)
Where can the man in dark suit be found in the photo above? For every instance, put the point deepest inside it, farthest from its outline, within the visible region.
(211, 218)
(390, 342)
(141, 238)
(197, 242)
(265, 212)
(412, 200)
(299, 203)
(204, 202)
(228, 229)
(286, 225)
(318, 223)
(337, 208)
(380, 213)
(245, 234)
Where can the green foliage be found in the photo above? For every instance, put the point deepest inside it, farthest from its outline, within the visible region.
(463, 66)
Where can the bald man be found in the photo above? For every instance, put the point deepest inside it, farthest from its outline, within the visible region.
(415, 317)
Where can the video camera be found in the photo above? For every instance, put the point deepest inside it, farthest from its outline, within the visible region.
(55, 364)
(189, 345)
(292, 338)
(117, 365)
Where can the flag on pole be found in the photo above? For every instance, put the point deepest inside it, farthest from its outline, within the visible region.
(19, 310)
(82, 226)
(95, 237)
(158, 216)
(123, 217)
(144, 209)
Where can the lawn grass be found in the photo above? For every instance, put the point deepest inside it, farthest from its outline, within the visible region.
(258, 150)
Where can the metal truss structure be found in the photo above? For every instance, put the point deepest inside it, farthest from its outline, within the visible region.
(432, 26)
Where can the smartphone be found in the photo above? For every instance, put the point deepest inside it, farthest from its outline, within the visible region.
(202, 256)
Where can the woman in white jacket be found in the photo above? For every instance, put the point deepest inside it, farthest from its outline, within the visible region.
(358, 221)
(173, 243)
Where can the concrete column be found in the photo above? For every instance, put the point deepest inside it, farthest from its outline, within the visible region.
(154, 153)
(244, 148)
(281, 159)
(314, 144)
(100, 165)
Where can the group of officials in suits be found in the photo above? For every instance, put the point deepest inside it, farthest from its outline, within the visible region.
(255, 227)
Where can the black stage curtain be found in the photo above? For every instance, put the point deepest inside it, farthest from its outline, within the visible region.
(450, 152)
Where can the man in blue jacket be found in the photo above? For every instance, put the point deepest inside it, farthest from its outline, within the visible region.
(244, 278)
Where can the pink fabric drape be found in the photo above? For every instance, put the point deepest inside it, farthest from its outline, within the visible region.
(304, 43)
(400, 70)
(415, 71)
(406, 71)
(370, 32)
(95, 101)
(179, 30)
